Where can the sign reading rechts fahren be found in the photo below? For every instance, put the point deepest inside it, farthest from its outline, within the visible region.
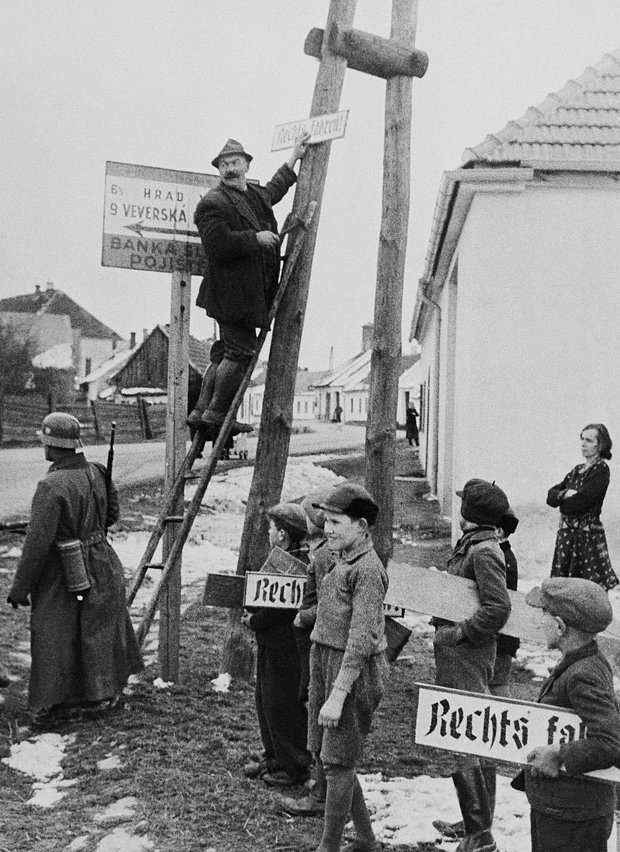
(492, 727)
(320, 127)
(148, 218)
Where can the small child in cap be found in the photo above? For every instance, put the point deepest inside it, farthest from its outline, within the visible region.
(282, 717)
(320, 561)
(568, 810)
(465, 653)
(347, 662)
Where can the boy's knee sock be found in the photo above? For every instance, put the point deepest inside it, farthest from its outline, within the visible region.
(319, 791)
(360, 815)
(340, 784)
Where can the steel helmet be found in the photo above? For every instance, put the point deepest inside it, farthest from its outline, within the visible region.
(60, 429)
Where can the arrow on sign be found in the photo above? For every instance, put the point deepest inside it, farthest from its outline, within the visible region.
(140, 227)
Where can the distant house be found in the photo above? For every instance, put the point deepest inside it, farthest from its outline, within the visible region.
(64, 335)
(143, 371)
(517, 310)
(304, 402)
(348, 385)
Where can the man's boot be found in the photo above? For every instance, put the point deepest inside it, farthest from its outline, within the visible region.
(227, 380)
(194, 420)
(456, 830)
(475, 806)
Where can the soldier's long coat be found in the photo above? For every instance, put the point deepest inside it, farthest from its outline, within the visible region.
(80, 651)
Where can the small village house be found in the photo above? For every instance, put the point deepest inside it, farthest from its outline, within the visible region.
(65, 336)
(517, 309)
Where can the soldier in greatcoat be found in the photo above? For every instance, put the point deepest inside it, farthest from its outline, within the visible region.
(83, 645)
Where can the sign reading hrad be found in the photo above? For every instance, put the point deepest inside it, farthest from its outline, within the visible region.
(492, 727)
(321, 129)
(148, 218)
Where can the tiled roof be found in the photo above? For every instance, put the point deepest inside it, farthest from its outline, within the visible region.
(578, 124)
(54, 301)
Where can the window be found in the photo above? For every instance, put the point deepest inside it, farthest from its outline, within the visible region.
(87, 366)
(352, 401)
(359, 405)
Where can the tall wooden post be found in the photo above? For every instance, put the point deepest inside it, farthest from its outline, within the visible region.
(386, 345)
(176, 441)
(277, 414)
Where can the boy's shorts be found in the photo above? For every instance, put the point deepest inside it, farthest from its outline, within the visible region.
(344, 744)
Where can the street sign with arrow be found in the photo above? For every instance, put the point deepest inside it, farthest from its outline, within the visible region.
(148, 219)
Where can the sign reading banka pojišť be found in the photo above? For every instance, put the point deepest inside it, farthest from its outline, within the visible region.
(320, 127)
(148, 219)
(494, 728)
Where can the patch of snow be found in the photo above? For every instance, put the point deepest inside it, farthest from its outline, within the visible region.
(111, 761)
(13, 553)
(40, 757)
(121, 809)
(158, 683)
(222, 682)
(78, 844)
(58, 357)
(121, 840)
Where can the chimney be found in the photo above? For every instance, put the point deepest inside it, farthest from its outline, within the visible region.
(49, 287)
(132, 340)
(145, 333)
(37, 289)
(367, 333)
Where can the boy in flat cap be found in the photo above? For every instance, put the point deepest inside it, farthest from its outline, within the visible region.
(282, 716)
(465, 653)
(320, 561)
(568, 810)
(347, 662)
(239, 235)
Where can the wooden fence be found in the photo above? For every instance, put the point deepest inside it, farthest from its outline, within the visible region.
(21, 416)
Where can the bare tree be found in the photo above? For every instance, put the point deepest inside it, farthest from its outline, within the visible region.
(16, 352)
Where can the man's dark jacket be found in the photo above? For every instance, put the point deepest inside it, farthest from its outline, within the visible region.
(241, 277)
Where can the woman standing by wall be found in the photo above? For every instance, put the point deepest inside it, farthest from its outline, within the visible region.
(581, 546)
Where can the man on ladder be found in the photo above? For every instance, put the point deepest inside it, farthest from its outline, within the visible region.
(240, 238)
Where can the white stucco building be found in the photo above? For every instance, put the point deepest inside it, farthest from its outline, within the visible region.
(517, 311)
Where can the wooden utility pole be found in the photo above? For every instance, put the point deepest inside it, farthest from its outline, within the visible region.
(386, 344)
(176, 438)
(277, 414)
(335, 46)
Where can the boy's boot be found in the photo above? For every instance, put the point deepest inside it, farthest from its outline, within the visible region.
(314, 803)
(227, 380)
(365, 840)
(340, 784)
(456, 830)
(474, 802)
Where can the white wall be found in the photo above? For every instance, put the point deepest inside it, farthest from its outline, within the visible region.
(537, 332)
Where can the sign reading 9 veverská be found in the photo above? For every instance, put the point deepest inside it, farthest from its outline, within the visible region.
(148, 218)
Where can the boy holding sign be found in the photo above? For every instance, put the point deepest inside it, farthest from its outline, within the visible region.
(569, 811)
(347, 662)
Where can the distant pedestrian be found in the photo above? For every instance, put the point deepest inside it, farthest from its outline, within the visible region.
(411, 426)
(282, 714)
(337, 418)
(82, 642)
(581, 545)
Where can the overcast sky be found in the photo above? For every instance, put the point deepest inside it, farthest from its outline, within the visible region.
(164, 83)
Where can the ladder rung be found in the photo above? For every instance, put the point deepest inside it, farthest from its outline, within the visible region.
(154, 565)
(173, 519)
